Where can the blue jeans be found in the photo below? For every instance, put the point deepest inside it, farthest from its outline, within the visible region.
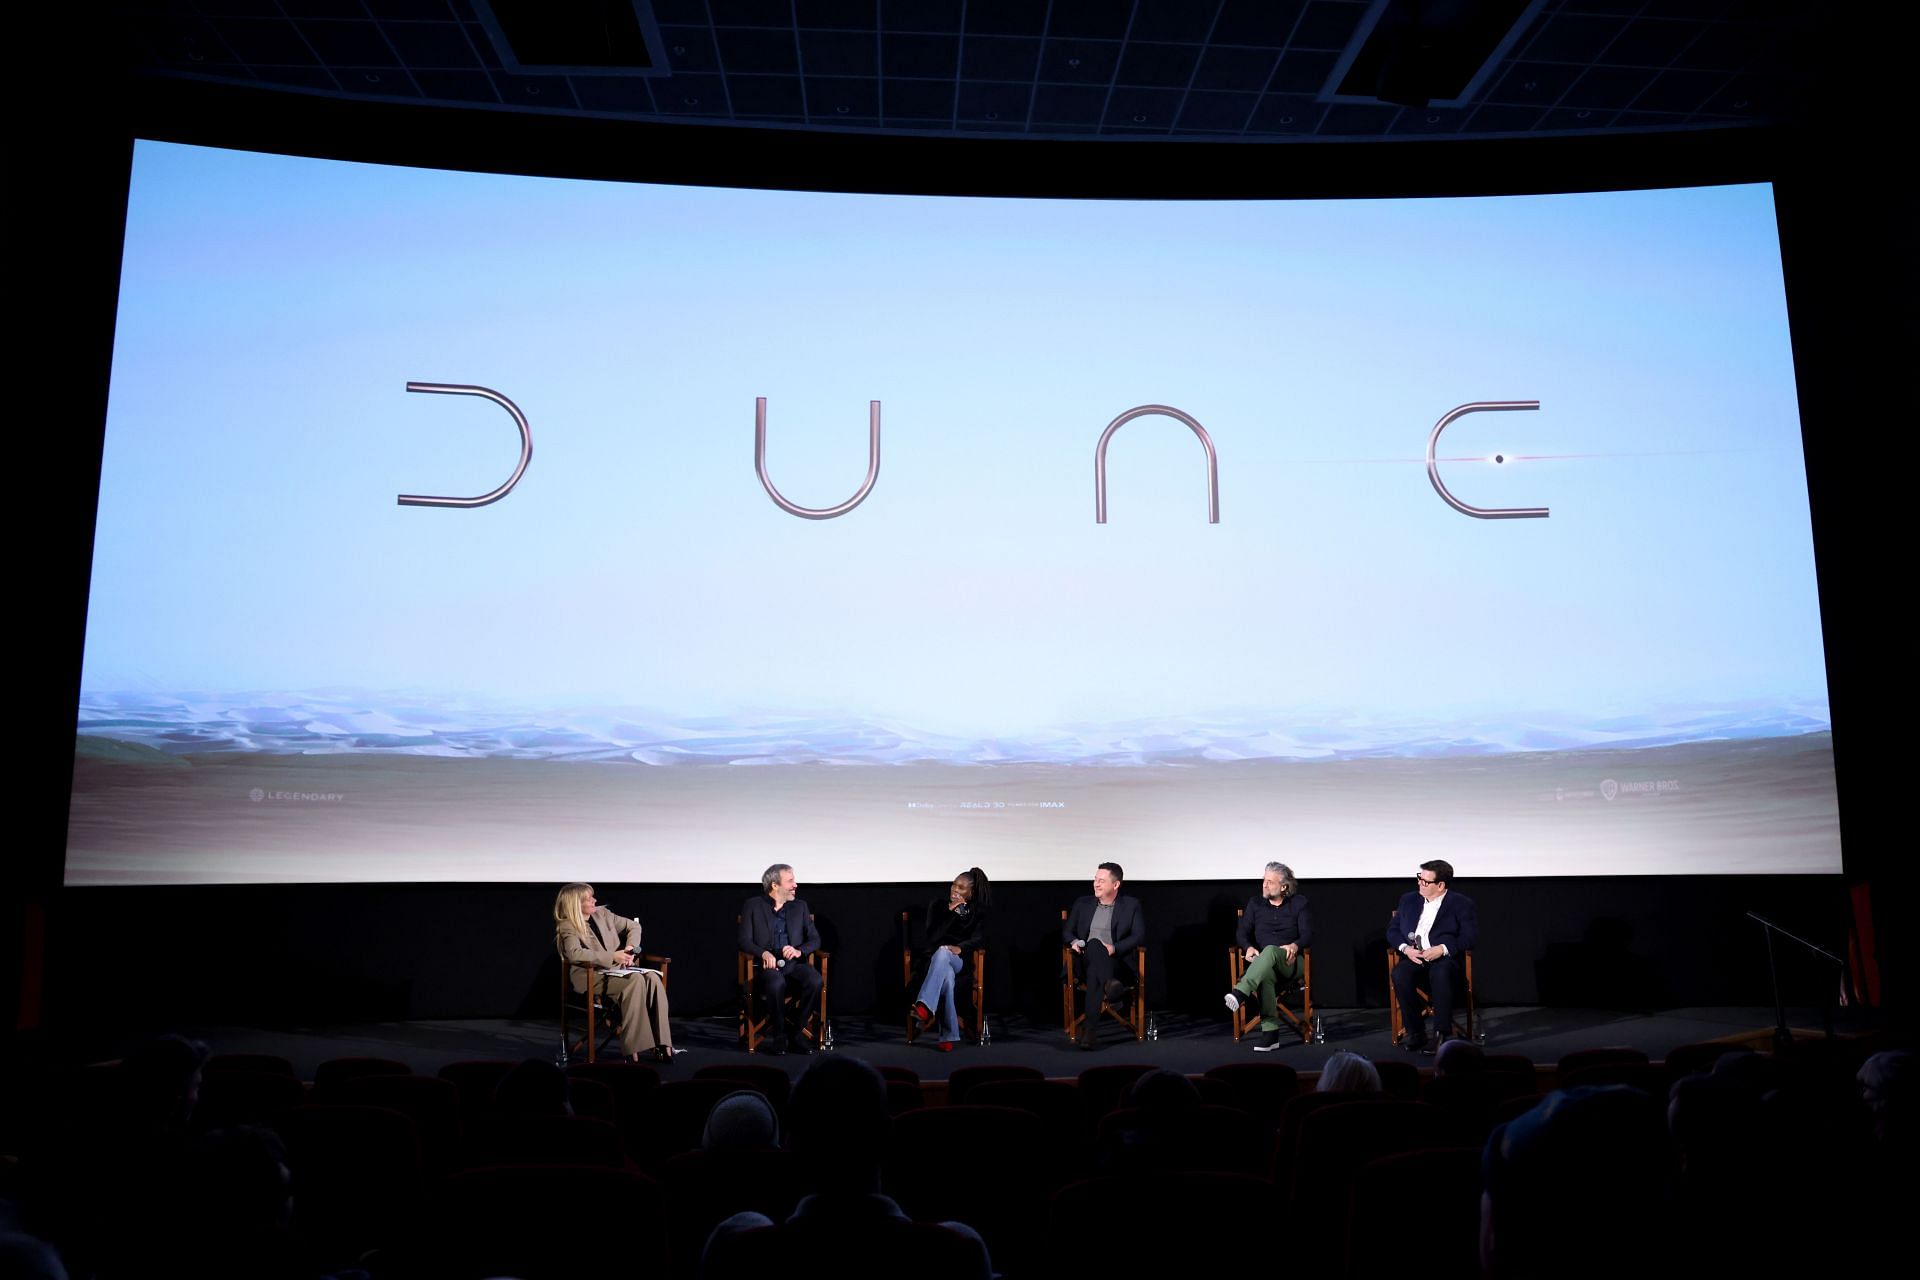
(937, 991)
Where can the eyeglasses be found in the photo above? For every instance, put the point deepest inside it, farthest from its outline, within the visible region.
(1424, 880)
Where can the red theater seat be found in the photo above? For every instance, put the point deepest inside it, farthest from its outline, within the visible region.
(577, 1140)
(514, 1221)
(357, 1174)
(229, 1098)
(1449, 1210)
(334, 1070)
(965, 1079)
(773, 1082)
(431, 1103)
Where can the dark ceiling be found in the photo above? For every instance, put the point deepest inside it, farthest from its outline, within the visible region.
(1253, 70)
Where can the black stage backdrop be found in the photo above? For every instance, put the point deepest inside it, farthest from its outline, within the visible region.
(308, 954)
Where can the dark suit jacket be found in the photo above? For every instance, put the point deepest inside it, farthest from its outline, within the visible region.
(756, 926)
(1129, 924)
(1456, 927)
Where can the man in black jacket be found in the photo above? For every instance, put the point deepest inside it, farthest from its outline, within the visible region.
(1104, 930)
(777, 930)
(1433, 929)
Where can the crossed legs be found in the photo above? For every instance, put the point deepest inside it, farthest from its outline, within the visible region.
(1266, 974)
(937, 992)
(1096, 968)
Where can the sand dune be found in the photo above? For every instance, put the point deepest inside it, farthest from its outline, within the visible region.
(1762, 805)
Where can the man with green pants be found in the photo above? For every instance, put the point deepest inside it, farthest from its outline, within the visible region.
(1274, 929)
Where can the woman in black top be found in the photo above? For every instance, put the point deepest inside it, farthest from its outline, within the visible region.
(956, 927)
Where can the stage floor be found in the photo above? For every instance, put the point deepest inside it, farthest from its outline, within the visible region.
(1182, 1043)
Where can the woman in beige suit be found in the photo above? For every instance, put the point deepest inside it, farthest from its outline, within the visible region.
(583, 930)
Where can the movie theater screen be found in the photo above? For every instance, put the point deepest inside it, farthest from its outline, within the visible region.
(456, 526)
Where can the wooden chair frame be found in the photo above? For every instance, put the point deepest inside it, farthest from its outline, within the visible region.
(591, 1002)
(976, 1004)
(1247, 1018)
(1133, 1018)
(1426, 1000)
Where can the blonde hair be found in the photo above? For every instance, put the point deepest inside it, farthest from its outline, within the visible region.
(567, 916)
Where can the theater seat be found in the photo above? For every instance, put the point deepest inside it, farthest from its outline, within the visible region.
(705, 1187)
(517, 1221)
(266, 1062)
(229, 1098)
(357, 1170)
(1449, 1210)
(1219, 1138)
(989, 1167)
(1117, 1225)
(910, 1250)
(431, 1103)
(1335, 1143)
(1261, 1088)
(674, 1116)
(771, 1082)
(963, 1080)
(335, 1070)
(574, 1140)
(1055, 1102)
(1104, 1088)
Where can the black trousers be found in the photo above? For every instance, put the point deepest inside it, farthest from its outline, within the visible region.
(800, 980)
(1443, 978)
(1093, 966)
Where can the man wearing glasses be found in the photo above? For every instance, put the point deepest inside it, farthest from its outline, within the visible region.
(1432, 930)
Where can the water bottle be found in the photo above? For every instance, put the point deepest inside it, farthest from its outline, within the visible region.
(1319, 1029)
(826, 1037)
(986, 1032)
(1153, 1027)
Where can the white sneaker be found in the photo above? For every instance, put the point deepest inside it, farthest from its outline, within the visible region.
(1234, 1001)
(1270, 1043)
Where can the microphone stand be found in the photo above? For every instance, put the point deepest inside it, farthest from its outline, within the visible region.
(1781, 1035)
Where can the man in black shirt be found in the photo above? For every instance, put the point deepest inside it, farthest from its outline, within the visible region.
(1274, 930)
